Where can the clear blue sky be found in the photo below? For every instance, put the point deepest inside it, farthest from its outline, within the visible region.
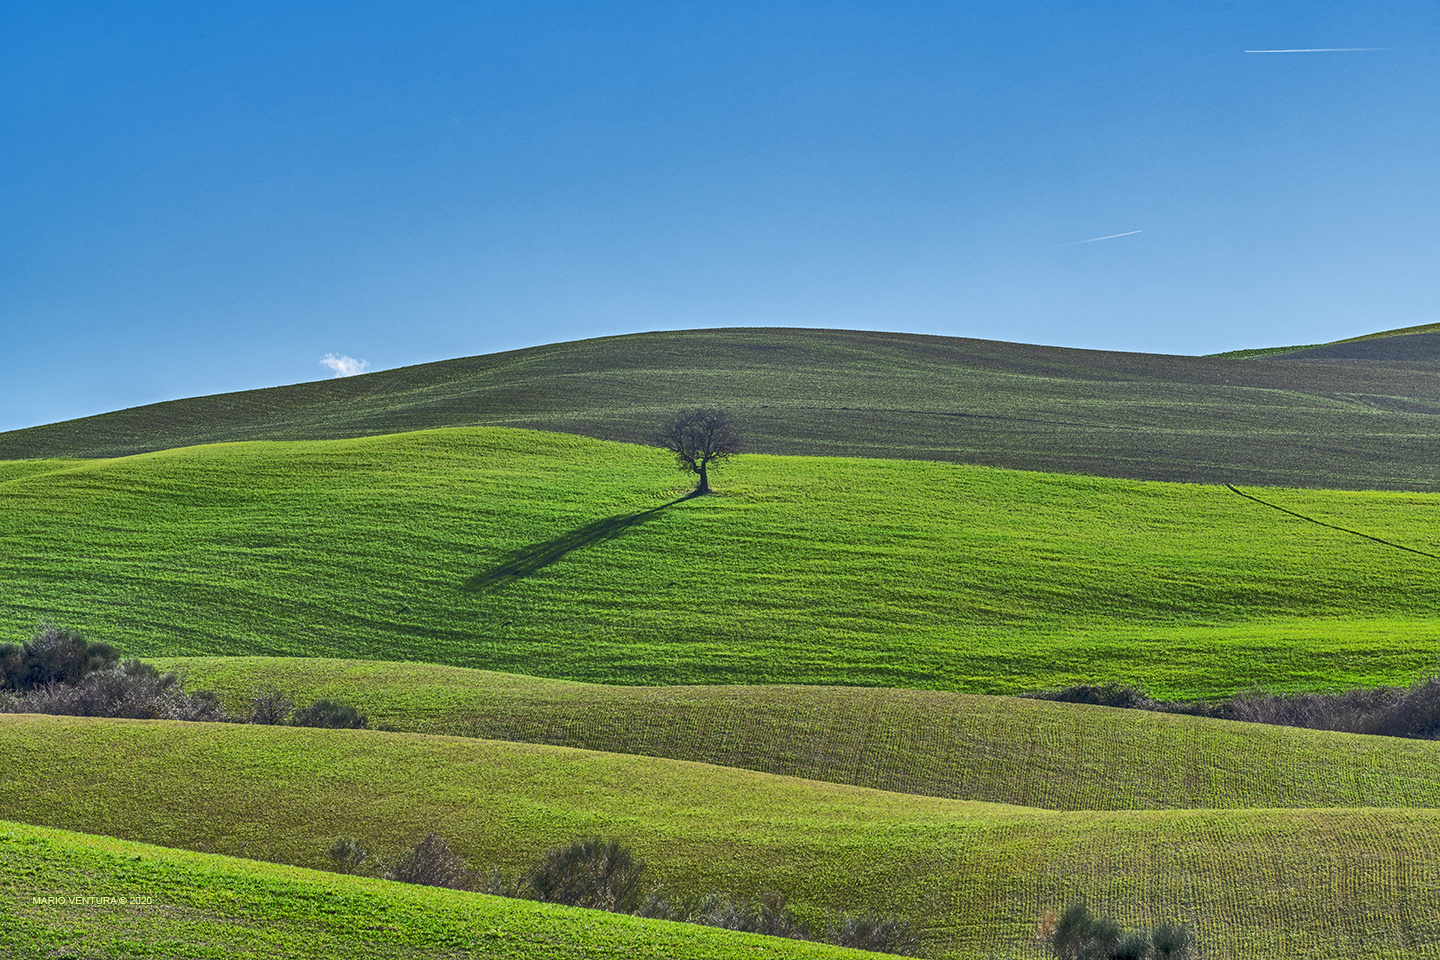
(203, 197)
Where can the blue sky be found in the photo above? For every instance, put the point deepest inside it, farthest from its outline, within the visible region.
(204, 197)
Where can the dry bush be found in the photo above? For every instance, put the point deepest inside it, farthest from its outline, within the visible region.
(431, 863)
(875, 933)
(130, 690)
(269, 706)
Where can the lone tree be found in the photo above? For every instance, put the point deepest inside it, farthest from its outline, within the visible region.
(700, 439)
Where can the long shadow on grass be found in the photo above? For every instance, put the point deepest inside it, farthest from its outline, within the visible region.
(523, 562)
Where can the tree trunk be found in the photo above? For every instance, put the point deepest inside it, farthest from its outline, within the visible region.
(704, 486)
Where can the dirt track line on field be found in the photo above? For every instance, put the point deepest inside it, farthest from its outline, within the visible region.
(1231, 487)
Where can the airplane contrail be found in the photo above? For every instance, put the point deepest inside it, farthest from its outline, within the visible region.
(1328, 50)
(1111, 237)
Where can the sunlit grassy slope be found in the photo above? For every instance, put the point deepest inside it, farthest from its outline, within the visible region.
(1001, 749)
(560, 556)
(212, 907)
(855, 393)
(1355, 883)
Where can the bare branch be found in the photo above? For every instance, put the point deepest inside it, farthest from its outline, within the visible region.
(700, 438)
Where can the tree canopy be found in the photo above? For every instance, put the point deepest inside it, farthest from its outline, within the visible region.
(700, 438)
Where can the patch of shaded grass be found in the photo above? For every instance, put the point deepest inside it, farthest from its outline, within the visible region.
(1257, 883)
(803, 570)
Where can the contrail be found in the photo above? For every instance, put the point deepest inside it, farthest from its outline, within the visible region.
(1329, 50)
(1111, 237)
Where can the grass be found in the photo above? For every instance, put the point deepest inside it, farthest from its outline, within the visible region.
(1258, 352)
(180, 904)
(555, 555)
(999, 749)
(1399, 332)
(852, 393)
(1355, 883)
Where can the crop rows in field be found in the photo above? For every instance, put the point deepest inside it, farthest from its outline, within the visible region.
(852, 393)
(1256, 883)
(999, 749)
(554, 555)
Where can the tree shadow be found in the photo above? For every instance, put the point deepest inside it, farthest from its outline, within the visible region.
(521, 563)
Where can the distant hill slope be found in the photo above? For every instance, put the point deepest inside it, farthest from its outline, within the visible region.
(1416, 348)
(1033, 753)
(862, 394)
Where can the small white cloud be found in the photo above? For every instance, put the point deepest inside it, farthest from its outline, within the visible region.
(344, 366)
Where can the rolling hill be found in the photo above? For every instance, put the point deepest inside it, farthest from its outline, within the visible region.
(213, 907)
(554, 555)
(1279, 422)
(1258, 883)
(782, 682)
(1023, 752)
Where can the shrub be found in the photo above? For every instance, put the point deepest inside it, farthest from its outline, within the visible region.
(1415, 712)
(129, 690)
(54, 655)
(1079, 934)
(1412, 711)
(431, 863)
(348, 854)
(495, 884)
(1110, 695)
(769, 915)
(12, 667)
(1171, 941)
(874, 933)
(326, 713)
(269, 706)
(595, 873)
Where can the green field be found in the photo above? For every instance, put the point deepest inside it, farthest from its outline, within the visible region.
(782, 687)
(555, 555)
(211, 907)
(1356, 882)
(857, 393)
(1031, 753)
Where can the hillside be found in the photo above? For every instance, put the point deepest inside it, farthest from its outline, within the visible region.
(554, 555)
(1032, 753)
(1257, 883)
(775, 688)
(212, 907)
(849, 393)
(1419, 349)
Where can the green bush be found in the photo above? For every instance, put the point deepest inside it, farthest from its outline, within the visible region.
(595, 873)
(348, 854)
(1079, 934)
(326, 713)
(55, 655)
